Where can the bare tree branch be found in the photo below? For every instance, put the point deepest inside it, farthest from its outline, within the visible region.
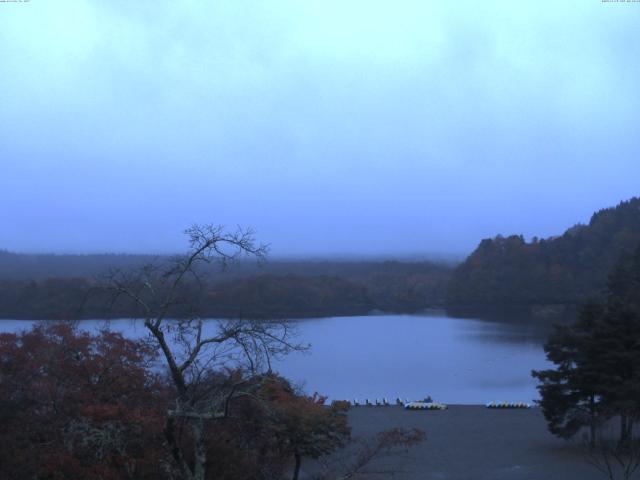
(195, 358)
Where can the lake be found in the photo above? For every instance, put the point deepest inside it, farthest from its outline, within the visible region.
(456, 361)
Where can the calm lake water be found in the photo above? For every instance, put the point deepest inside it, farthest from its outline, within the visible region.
(457, 361)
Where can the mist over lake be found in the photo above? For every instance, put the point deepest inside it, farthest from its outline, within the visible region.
(223, 219)
(458, 361)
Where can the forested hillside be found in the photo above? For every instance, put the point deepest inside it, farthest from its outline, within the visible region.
(558, 270)
(275, 290)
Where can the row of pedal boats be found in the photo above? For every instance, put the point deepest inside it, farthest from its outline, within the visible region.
(429, 404)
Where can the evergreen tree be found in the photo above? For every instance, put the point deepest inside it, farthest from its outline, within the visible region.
(618, 341)
(570, 395)
(597, 374)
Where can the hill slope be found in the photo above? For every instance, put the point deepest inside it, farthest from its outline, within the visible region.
(559, 270)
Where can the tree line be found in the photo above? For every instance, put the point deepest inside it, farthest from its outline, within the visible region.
(388, 286)
(503, 272)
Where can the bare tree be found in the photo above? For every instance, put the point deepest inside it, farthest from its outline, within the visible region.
(354, 462)
(194, 351)
(614, 460)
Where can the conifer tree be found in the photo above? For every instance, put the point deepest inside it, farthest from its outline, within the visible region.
(597, 374)
(570, 399)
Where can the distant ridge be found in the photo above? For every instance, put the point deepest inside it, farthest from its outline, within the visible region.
(559, 270)
(23, 266)
(34, 266)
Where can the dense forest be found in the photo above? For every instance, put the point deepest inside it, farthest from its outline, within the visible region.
(559, 270)
(276, 289)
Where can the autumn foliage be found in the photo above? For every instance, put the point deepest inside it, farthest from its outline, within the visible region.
(77, 405)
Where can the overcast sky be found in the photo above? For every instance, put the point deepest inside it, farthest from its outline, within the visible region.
(346, 126)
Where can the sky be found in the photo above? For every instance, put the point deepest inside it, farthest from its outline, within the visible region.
(333, 127)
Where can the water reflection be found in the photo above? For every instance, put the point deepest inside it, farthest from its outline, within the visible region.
(454, 360)
(494, 332)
